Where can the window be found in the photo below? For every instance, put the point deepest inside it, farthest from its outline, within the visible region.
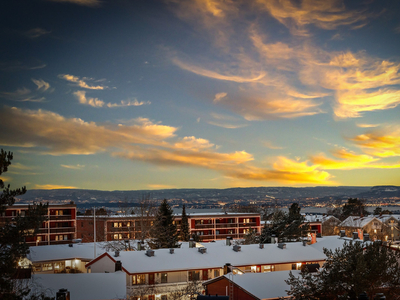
(194, 275)
(117, 236)
(138, 279)
(117, 224)
(216, 273)
(47, 267)
(164, 297)
(164, 277)
(37, 267)
(269, 268)
(39, 238)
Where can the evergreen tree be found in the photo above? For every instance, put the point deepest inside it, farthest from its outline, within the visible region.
(349, 271)
(289, 226)
(354, 207)
(250, 237)
(265, 236)
(13, 233)
(164, 230)
(184, 234)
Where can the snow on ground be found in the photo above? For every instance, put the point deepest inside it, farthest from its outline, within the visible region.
(85, 286)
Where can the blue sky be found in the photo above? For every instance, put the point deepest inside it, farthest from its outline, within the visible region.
(119, 95)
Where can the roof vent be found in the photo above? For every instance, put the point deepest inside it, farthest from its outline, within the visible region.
(261, 246)
(116, 253)
(319, 234)
(192, 243)
(304, 243)
(228, 240)
(237, 248)
(77, 240)
(171, 250)
(355, 235)
(70, 245)
(342, 233)
(282, 245)
(202, 250)
(150, 252)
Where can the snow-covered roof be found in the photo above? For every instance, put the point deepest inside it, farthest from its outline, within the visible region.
(84, 286)
(83, 251)
(329, 242)
(318, 218)
(264, 285)
(216, 256)
(358, 222)
(190, 215)
(385, 218)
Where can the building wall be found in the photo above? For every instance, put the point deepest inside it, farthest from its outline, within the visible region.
(221, 288)
(208, 227)
(59, 227)
(104, 264)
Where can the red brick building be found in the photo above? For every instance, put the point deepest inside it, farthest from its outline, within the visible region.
(212, 226)
(59, 227)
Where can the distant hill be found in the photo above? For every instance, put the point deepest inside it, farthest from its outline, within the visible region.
(226, 195)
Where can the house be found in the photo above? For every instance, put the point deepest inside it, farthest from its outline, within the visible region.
(250, 286)
(323, 224)
(158, 272)
(208, 226)
(58, 228)
(378, 227)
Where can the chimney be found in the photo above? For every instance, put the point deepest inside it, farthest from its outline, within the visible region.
(355, 235)
(319, 234)
(261, 246)
(202, 250)
(118, 266)
(304, 243)
(116, 254)
(227, 268)
(139, 246)
(191, 243)
(150, 252)
(282, 245)
(171, 250)
(71, 245)
(273, 240)
(62, 294)
(228, 240)
(237, 248)
(342, 233)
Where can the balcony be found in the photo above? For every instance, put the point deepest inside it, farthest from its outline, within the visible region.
(251, 224)
(201, 226)
(62, 217)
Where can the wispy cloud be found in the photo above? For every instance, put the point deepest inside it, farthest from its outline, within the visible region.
(41, 84)
(89, 3)
(81, 82)
(161, 186)
(365, 125)
(52, 187)
(328, 15)
(46, 132)
(22, 95)
(36, 32)
(219, 96)
(125, 103)
(73, 167)
(95, 102)
(226, 121)
(383, 142)
(270, 145)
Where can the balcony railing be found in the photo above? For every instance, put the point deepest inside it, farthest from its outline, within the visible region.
(62, 217)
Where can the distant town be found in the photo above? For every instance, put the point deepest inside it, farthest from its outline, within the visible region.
(279, 197)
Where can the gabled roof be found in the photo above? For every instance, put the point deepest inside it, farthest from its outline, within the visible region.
(358, 222)
(269, 285)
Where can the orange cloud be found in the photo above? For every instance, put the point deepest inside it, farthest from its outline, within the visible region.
(52, 187)
(80, 82)
(328, 14)
(380, 143)
(143, 140)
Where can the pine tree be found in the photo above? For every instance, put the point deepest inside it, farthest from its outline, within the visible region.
(265, 236)
(349, 271)
(184, 234)
(164, 230)
(13, 233)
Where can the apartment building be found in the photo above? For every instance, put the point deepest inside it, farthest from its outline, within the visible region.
(153, 274)
(209, 227)
(59, 227)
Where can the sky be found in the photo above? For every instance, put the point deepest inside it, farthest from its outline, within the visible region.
(145, 94)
